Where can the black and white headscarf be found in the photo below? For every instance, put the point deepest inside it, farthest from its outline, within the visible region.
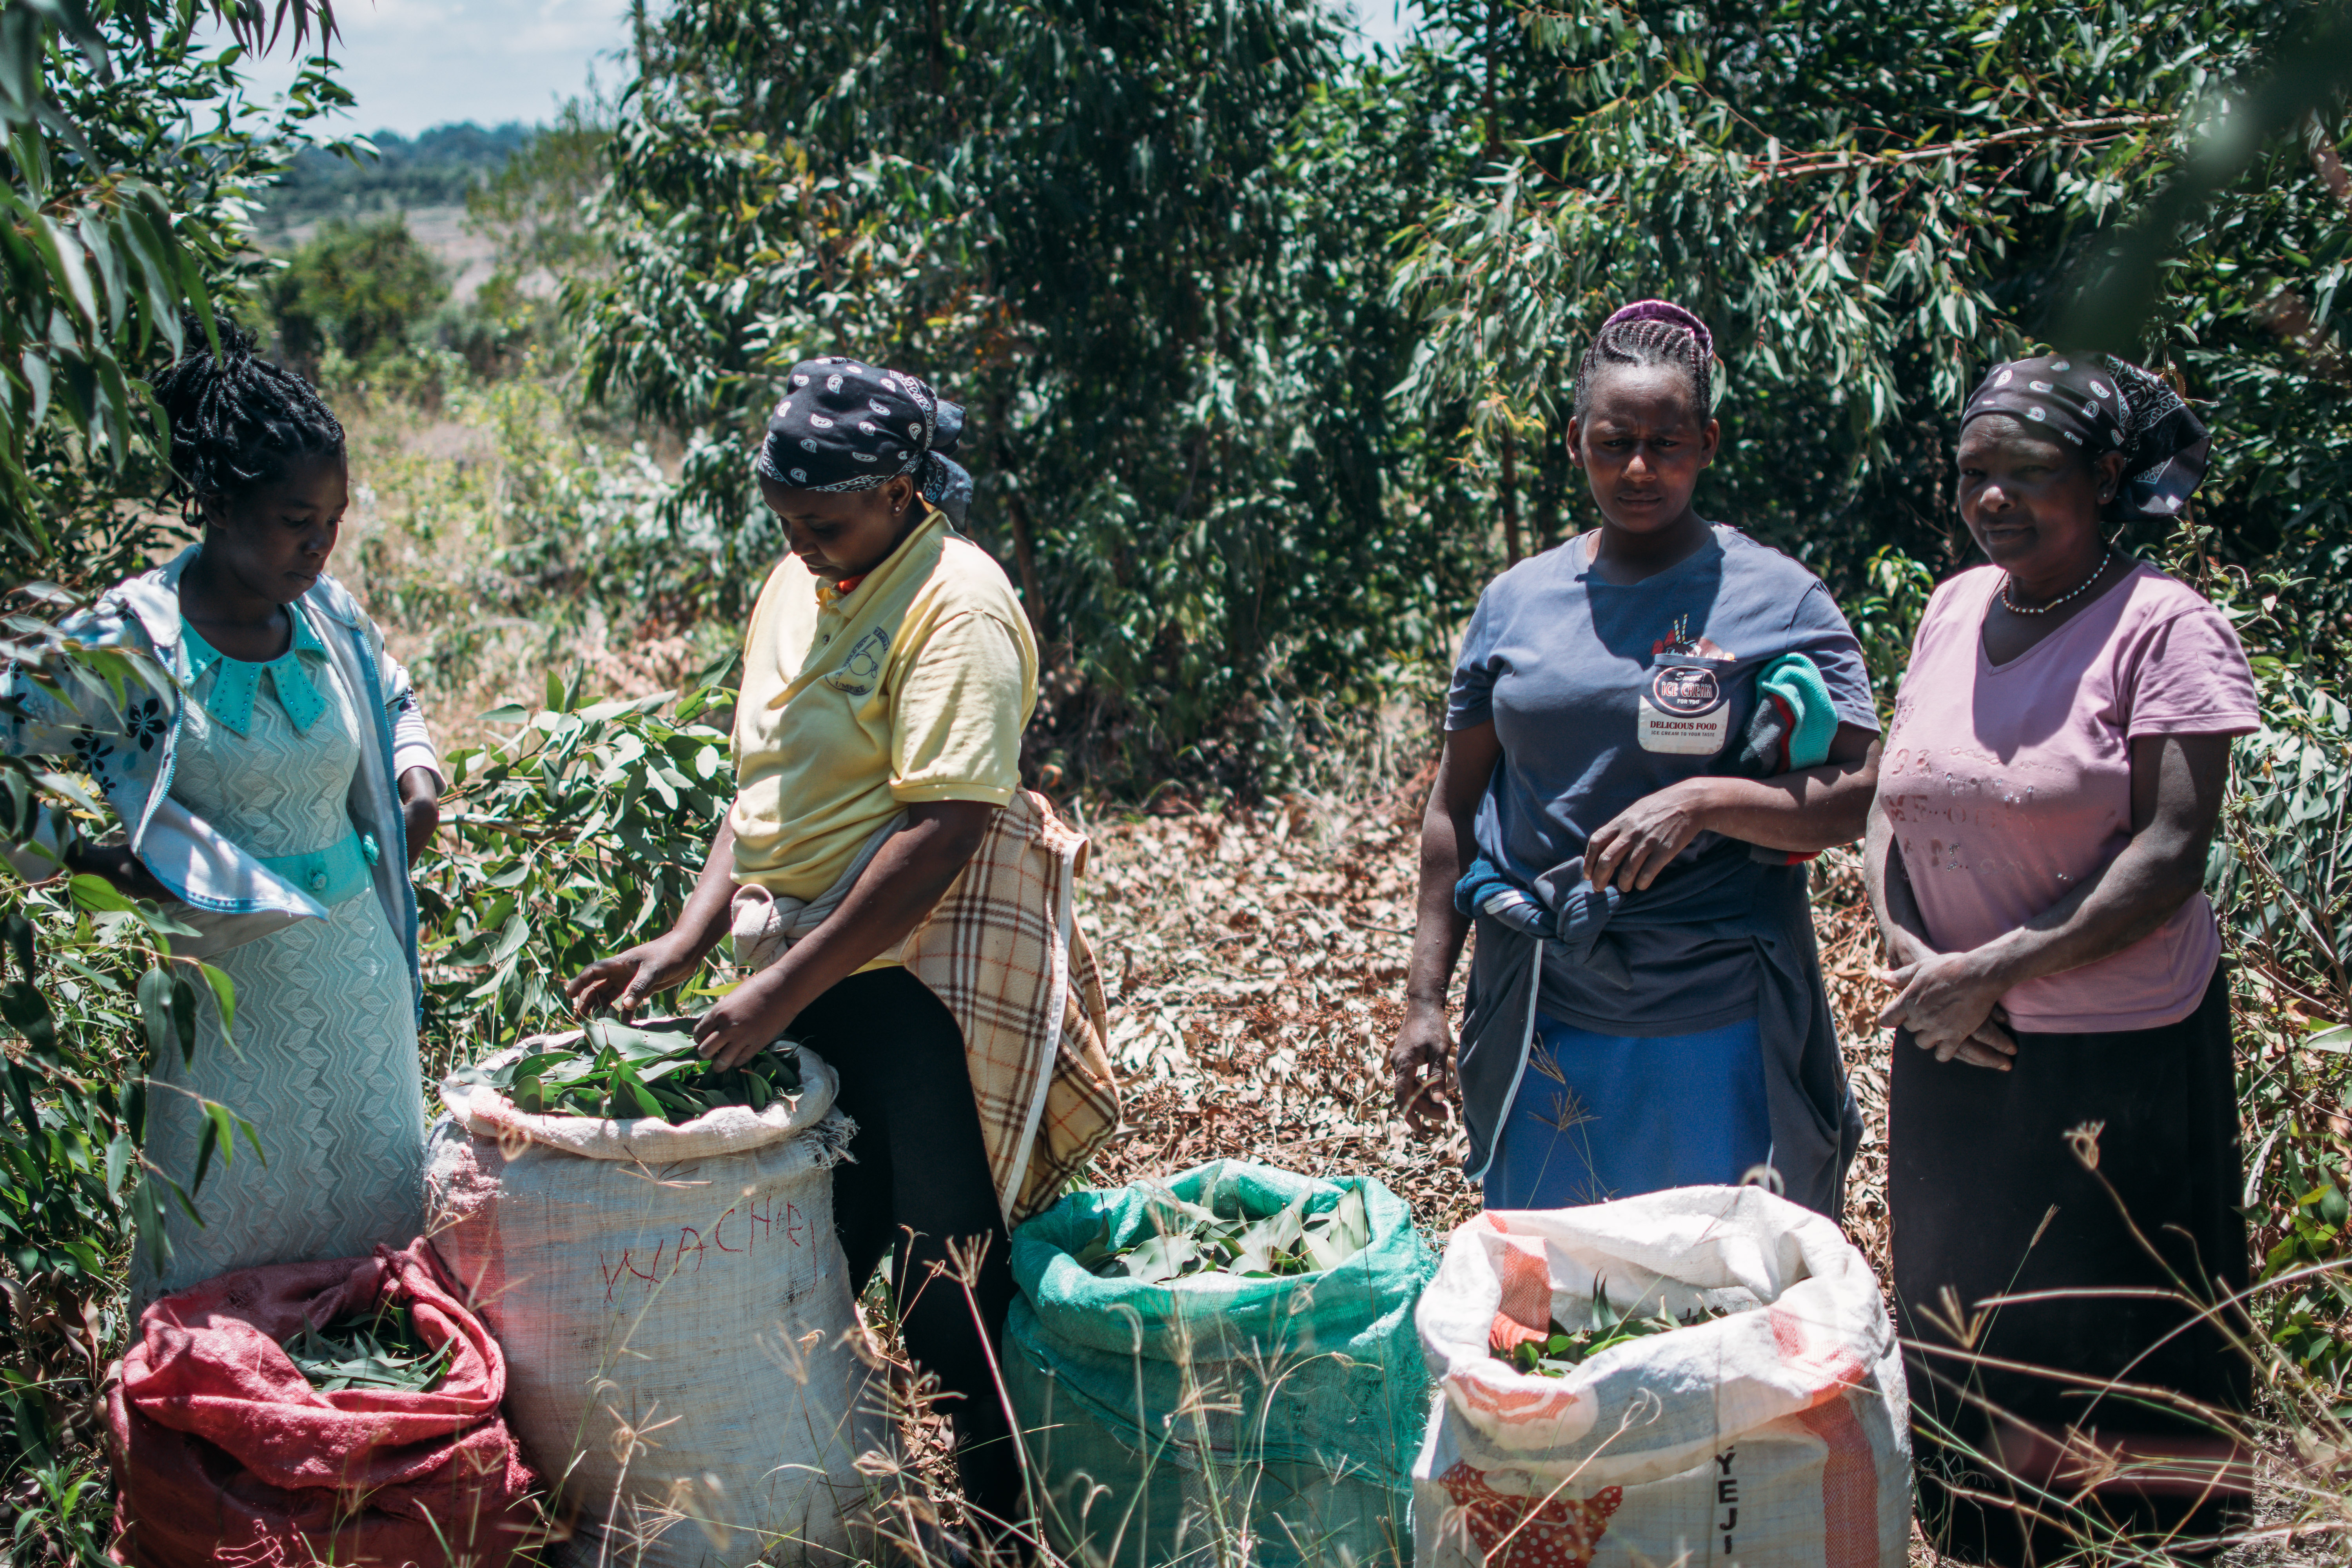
(843, 426)
(2098, 403)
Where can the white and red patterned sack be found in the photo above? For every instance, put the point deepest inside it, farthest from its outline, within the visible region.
(1779, 1435)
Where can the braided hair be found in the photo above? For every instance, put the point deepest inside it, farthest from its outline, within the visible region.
(236, 419)
(1651, 332)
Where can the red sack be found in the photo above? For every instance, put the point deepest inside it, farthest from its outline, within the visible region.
(224, 1454)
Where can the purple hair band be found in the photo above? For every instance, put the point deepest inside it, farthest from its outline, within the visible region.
(1668, 311)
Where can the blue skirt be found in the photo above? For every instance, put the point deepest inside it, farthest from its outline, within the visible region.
(1596, 1117)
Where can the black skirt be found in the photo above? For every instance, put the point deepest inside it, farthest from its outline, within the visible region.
(1988, 1198)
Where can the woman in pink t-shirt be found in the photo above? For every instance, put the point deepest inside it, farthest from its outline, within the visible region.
(2036, 858)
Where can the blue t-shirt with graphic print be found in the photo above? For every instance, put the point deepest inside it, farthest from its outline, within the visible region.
(1601, 694)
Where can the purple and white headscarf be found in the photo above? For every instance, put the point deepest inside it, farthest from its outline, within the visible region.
(2097, 404)
(845, 426)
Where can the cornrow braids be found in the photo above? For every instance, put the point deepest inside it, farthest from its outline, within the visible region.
(1652, 333)
(236, 418)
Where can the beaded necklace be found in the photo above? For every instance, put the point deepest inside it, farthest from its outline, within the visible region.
(2013, 607)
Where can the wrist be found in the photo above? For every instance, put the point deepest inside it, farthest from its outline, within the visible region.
(1703, 799)
(2000, 963)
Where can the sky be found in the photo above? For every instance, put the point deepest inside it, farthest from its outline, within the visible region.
(415, 64)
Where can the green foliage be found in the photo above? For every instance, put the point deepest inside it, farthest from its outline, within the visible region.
(387, 172)
(2307, 1267)
(92, 1000)
(1871, 204)
(358, 288)
(378, 1347)
(2308, 72)
(1105, 229)
(578, 838)
(534, 207)
(129, 154)
(1221, 1234)
(2283, 882)
(618, 1072)
(1606, 1327)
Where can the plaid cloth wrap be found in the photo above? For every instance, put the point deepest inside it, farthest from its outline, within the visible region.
(1003, 951)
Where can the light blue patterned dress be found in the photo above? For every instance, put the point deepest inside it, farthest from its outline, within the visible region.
(326, 1065)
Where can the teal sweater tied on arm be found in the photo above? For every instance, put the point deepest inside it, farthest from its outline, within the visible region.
(1792, 730)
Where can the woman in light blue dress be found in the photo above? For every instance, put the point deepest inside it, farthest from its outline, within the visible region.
(272, 789)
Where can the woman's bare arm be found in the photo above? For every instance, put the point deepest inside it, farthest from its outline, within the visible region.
(1422, 1057)
(2177, 786)
(1901, 926)
(1809, 810)
(898, 889)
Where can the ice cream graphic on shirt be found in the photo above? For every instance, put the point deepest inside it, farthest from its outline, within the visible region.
(1683, 713)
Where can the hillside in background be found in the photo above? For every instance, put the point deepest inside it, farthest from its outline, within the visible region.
(434, 169)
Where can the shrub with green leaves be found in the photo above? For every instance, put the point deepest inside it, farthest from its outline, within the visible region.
(579, 836)
(360, 289)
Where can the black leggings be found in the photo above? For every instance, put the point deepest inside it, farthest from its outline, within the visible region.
(919, 1166)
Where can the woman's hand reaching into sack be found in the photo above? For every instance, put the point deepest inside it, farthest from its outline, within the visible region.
(626, 979)
(747, 1019)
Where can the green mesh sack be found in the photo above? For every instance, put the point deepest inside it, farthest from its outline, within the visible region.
(1166, 1423)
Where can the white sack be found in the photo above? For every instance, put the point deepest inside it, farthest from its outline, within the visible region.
(681, 1283)
(1778, 1436)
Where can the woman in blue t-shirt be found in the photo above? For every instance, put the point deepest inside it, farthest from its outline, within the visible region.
(1645, 1006)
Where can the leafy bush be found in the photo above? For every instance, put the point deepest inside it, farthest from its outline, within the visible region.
(357, 288)
(1871, 204)
(1112, 232)
(2282, 880)
(577, 838)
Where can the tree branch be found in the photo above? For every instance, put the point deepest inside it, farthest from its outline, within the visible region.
(1839, 163)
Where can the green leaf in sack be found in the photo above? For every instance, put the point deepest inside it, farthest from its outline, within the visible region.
(1157, 1259)
(625, 1081)
(377, 1348)
(1266, 1245)
(1333, 1238)
(1096, 1252)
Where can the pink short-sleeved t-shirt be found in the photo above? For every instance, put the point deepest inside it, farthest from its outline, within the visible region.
(2007, 785)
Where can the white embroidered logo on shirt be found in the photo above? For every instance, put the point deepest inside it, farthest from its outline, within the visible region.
(862, 669)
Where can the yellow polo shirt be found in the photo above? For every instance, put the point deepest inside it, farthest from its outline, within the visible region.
(913, 686)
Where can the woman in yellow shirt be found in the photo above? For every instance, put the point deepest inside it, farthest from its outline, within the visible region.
(887, 674)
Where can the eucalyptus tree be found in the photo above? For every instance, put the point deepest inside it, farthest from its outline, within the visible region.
(1872, 202)
(1145, 245)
